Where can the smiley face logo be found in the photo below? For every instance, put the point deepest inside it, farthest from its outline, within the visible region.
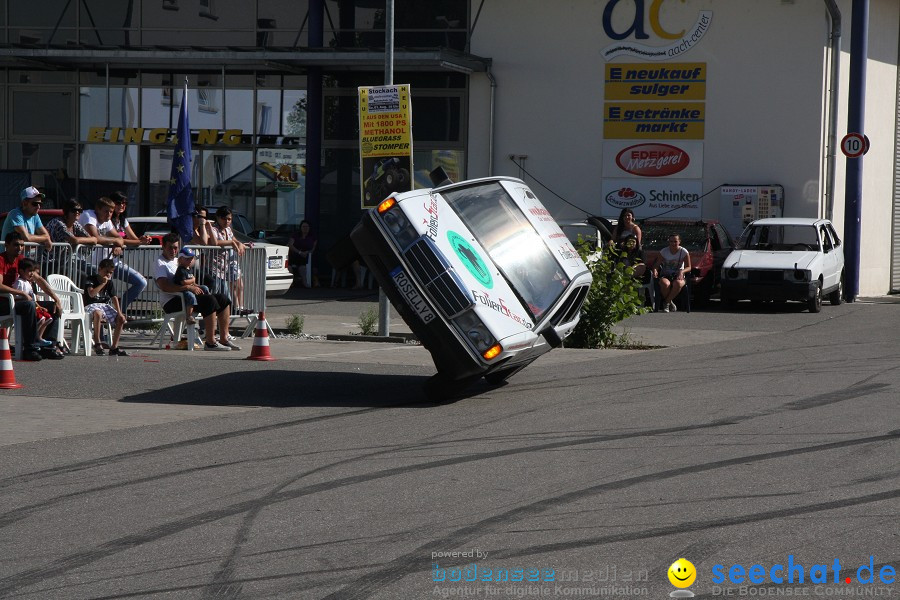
(682, 573)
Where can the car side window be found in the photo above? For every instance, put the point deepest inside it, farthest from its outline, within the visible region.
(834, 235)
(826, 239)
(724, 238)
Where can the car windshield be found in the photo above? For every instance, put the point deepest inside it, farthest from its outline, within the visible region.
(655, 236)
(779, 237)
(513, 244)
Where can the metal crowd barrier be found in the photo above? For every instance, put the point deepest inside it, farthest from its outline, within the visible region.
(209, 267)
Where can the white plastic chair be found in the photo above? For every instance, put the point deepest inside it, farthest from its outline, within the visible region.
(11, 319)
(73, 312)
(175, 324)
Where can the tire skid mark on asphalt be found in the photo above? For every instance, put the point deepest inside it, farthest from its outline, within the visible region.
(17, 514)
(367, 585)
(114, 458)
(66, 564)
(401, 566)
(223, 584)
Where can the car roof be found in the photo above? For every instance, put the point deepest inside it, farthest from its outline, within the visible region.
(679, 222)
(790, 221)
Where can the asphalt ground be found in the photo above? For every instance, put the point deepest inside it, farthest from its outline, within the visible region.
(81, 395)
(753, 436)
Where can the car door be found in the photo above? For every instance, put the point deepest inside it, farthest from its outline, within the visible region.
(830, 270)
(723, 244)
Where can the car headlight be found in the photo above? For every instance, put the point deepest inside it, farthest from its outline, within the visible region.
(797, 275)
(399, 226)
(478, 335)
(734, 273)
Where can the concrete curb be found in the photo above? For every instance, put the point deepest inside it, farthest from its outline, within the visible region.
(393, 339)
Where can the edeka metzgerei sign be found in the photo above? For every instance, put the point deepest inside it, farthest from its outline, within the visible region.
(385, 142)
(630, 22)
(677, 159)
(654, 120)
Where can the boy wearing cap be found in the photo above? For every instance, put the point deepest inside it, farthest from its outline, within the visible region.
(26, 221)
(184, 276)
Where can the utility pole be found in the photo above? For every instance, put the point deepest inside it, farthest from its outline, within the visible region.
(384, 307)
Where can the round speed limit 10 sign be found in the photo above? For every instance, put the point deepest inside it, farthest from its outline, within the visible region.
(854, 145)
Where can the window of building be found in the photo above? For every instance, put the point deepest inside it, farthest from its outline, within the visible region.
(38, 113)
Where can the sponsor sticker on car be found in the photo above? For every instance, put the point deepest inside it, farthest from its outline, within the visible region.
(409, 292)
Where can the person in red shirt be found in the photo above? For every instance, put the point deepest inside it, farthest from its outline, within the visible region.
(24, 305)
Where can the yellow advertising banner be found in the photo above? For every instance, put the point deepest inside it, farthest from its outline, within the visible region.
(664, 81)
(385, 142)
(654, 120)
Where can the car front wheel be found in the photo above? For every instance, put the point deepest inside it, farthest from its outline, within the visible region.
(815, 303)
(837, 296)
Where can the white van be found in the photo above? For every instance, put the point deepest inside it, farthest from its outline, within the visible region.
(481, 273)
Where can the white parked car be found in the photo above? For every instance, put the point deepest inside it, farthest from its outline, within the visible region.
(278, 276)
(786, 259)
(480, 271)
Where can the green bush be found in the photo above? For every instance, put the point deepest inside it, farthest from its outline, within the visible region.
(294, 324)
(614, 296)
(368, 322)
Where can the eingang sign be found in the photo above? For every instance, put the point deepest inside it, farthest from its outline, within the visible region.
(199, 137)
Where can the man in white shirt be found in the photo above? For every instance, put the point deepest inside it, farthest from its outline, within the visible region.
(213, 307)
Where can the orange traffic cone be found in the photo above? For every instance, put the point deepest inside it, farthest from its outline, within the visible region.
(260, 350)
(7, 377)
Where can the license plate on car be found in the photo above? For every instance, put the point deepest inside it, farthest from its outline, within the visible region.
(276, 262)
(409, 292)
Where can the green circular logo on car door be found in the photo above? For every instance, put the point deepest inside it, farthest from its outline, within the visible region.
(470, 257)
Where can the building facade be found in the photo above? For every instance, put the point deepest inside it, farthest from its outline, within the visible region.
(714, 109)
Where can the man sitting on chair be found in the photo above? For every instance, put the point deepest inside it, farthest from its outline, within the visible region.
(24, 305)
(213, 307)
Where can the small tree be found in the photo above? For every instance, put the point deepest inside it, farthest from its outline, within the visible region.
(614, 296)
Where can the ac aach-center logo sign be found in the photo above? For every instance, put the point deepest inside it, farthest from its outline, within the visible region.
(623, 19)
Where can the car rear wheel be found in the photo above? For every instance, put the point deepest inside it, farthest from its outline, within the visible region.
(837, 296)
(815, 303)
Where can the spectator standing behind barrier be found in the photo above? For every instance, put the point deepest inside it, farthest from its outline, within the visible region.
(213, 307)
(25, 219)
(67, 229)
(674, 263)
(98, 223)
(203, 236)
(301, 245)
(24, 306)
(228, 268)
(102, 305)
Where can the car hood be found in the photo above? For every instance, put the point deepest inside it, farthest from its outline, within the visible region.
(769, 259)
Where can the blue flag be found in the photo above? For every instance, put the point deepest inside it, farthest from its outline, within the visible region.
(181, 195)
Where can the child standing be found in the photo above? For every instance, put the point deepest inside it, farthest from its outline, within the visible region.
(27, 271)
(104, 307)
